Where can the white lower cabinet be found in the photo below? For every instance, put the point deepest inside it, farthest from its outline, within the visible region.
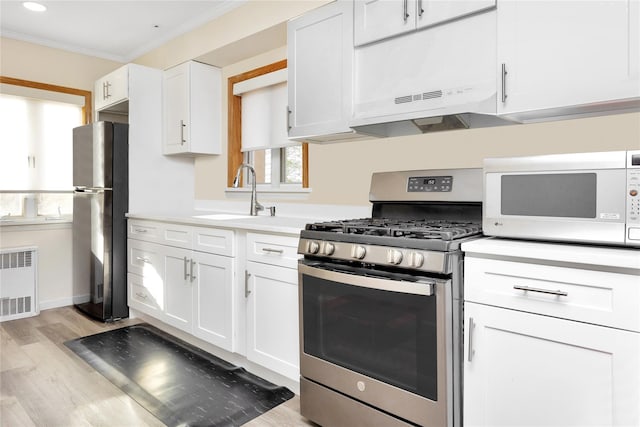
(271, 292)
(212, 277)
(184, 276)
(188, 277)
(527, 369)
(272, 318)
(551, 335)
(178, 288)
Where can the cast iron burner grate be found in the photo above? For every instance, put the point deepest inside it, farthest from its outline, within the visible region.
(412, 229)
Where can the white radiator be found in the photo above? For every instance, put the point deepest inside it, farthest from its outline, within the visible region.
(18, 276)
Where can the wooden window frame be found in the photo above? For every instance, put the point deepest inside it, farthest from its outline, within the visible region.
(86, 109)
(234, 123)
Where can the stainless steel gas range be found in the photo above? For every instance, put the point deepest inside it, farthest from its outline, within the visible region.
(381, 303)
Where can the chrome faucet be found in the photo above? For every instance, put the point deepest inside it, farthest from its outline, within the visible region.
(255, 206)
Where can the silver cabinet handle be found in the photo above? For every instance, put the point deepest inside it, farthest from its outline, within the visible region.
(288, 119)
(405, 13)
(420, 9)
(542, 291)
(142, 296)
(471, 350)
(186, 275)
(140, 230)
(193, 276)
(504, 82)
(104, 90)
(246, 284)
(143, 259)
(108, 86)
(274, 251)
(182, 126)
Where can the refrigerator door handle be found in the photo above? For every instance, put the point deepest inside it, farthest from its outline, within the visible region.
(91, 190)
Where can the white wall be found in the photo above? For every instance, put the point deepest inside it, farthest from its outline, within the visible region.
(54, 259)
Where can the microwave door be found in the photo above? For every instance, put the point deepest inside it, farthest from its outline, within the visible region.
(572, 206)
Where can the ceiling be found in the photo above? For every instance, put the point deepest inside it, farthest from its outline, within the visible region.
(116, 30)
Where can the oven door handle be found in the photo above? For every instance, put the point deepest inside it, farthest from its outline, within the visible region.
(421, 286)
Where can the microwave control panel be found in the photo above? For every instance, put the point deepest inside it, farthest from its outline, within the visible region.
(430, 184)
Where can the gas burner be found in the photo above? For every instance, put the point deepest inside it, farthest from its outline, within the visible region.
(408, 229)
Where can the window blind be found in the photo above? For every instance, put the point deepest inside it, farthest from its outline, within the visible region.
(264, 111)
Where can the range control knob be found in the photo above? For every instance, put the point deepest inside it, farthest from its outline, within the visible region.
(416, 259)
(358, 252)
(394, 256)
(313, 247)
(329, 248)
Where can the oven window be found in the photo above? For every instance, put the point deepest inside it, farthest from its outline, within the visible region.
(389, 336)
(564, 195)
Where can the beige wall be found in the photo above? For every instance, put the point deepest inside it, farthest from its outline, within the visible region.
(28, 61)
(331, 166)
(339, 173)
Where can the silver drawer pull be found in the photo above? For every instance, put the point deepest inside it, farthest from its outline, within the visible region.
(274, 251)
(140, 230)
(139, 295)
(145, 260)
(542, 291)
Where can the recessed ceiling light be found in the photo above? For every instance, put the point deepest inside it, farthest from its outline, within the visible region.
(36, 7)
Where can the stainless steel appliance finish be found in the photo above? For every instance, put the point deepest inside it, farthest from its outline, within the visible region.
(100, 202)
(581, 197)
(380, 303)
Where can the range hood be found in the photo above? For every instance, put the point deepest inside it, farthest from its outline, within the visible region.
(451, 115)
(430, 80)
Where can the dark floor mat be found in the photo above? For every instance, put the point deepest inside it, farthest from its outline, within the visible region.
(180, 384)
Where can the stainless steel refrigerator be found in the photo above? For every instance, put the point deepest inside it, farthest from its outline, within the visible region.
(100, 202)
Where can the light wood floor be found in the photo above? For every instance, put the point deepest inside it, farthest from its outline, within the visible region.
(43, 383)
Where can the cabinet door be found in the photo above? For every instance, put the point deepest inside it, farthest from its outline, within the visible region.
(178, 288)
(320, 63)
(112, 88)
(145, 294)
(527, 369)
(431, 12)
(176, 109)
(192, 109)
(566, 53)
(212, 276)
(379, 19)
(272, 318)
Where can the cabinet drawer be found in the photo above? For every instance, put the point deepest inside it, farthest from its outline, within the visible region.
(273, 249)
(177, 235)
(144, 258)
(213, 240)
(145, 230)
(145, 294)
(598, 297)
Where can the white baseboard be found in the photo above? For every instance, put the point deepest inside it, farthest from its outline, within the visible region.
(55, 303)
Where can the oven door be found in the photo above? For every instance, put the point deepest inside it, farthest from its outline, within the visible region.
(378, 337)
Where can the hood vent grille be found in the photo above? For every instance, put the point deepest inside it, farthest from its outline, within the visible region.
(421, 96)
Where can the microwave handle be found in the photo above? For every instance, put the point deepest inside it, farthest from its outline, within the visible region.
(415, 288)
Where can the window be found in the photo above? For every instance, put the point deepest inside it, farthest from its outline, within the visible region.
(36, 122)
(257, 129)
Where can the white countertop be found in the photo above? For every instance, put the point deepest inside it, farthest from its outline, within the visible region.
(272, 224)
(604, 256)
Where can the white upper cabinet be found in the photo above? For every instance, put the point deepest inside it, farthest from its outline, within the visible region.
(379, 19)
(320, 67)
(192, 107)
(558, 58)
(432, 12)
(111, 89)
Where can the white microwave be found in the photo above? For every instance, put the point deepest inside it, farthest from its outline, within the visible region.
(581, 197)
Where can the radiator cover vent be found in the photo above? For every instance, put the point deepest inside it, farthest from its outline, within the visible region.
(18, 283)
